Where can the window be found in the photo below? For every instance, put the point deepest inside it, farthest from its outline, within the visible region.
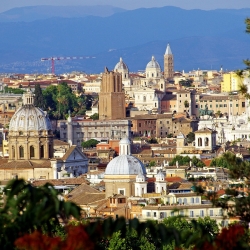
(121, 191)
(237, 105)
(42, 151)
(13, 152)
(191, 213)
(243, 105)
(197, 200)
(148, 214)
(181, 213)
(139, 125)
(192, 200)
(211, 212)
(32, 151)
(21, 152)
(154, 214)
(202, 213)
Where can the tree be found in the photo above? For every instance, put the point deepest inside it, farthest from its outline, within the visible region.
(185, 160)
(186, 103)
(90, 143)
(39, 99)
(95, 116)
(237, 167)
(243, 89)
(190, 137)
(27, 208)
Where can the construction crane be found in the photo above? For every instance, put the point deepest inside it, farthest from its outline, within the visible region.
(53, 59)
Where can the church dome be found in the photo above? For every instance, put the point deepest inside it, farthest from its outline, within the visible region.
(140, 178)
(121, 66)
(29, 118)
(160, 176)
(153, 64)
(125, 165)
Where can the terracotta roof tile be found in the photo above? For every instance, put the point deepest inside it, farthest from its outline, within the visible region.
(59, 182)
(68, 153)
(59, 142)
(26, 164)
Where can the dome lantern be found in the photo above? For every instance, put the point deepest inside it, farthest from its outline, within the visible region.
(28, 98)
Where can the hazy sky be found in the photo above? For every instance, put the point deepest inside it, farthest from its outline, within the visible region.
(133, 4)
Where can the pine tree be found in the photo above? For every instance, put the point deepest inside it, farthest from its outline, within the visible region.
(38, 99)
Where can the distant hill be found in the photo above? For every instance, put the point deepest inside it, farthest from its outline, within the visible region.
(199, 39)
(32, 13)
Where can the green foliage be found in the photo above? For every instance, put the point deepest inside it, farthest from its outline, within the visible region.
(190, 137)
(237, 167)
(13, 90)
(185, 161)
(186, 83)
(152, 141)
(38, 99)
(60, 99)
(186, 103)
(152, 163)
(90, 143)
(95, 116)
(28, 208)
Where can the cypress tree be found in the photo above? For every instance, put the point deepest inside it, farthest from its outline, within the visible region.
(38, 99)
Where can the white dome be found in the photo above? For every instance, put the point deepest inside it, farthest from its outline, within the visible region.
(160, 176)
(125, 165)
(28, 118)
(153, 64)
(121, 66)
(140, 178)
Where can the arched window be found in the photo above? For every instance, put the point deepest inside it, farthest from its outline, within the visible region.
(155, 105)
(32, 151)
(42, 151)
(199, 142)
(152, 74)
(206, 141)
(21, 152)
(144, 98)
(185, 200)
(180, 201)
(13, 152)
(192, 200)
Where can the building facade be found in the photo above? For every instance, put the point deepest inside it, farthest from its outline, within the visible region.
(111, 97)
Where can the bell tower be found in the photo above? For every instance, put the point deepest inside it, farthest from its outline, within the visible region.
(168, 63)
(111, 97)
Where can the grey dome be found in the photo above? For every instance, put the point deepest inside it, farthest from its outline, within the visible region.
(153, 64)
(121, 65)
(28, 118)
(125, 165)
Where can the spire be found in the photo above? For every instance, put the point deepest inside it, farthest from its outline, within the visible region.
(168, 50)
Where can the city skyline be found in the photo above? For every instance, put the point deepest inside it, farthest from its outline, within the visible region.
(129, 4)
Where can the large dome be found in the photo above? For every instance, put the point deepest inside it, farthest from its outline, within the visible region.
(121, 66)
(125, 165)
(28, 118)
(153, 64)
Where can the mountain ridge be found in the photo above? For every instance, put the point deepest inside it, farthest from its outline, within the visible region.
(128, 31)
